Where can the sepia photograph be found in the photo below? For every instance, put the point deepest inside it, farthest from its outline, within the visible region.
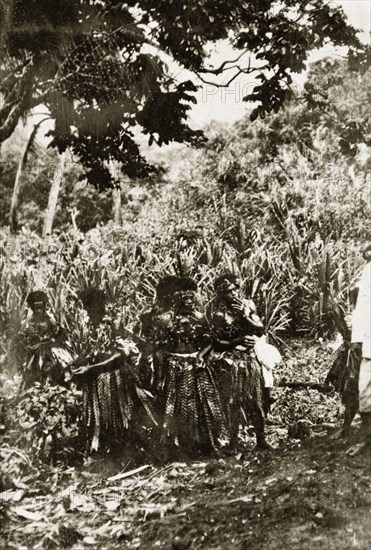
(185, 274)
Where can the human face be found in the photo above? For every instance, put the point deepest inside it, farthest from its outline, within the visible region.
(38, 308)
(165, 302)
(96, 314)
(230, 292)
(186, 299)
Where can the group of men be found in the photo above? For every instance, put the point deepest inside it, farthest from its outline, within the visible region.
(197, 377)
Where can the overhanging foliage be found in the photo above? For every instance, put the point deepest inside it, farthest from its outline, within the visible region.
(99, 66)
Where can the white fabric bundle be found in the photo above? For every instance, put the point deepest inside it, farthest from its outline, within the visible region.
(269, 357)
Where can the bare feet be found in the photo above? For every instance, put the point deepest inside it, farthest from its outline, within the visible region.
(359, 448)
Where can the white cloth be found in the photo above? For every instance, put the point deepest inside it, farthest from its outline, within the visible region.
(361, 319)
(269, 357)
(364, 386)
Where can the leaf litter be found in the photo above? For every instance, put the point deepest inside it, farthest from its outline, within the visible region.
(307, 494)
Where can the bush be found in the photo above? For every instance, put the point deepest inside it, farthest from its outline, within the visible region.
(49, 418)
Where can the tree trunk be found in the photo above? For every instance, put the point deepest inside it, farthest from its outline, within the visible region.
(53, 196)
(13, 214)
(116, 195)
(117, 213)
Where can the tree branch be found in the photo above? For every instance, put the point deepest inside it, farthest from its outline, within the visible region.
(11, 121)
(221, 67)
(241, 70)
(12, 117)
(7, 108)
(13, 72)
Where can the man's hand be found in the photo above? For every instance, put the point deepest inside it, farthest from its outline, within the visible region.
(238, 305)
(248, 341)
(356, 346)
(204, 351)
(81, 370)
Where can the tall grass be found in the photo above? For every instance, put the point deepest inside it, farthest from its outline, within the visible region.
(296, 253)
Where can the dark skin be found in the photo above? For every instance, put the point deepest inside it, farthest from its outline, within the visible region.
(188, 317)
(153, 328)
(233, 307)
(41, 325)
(40, 316)
(39, 310)
(240, 307)
(351, 400)
(155, 320)
(41, 332)
(96, 314)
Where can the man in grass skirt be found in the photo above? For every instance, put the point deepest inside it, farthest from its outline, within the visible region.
(344, 371)
(48, 356)
(152, 333)
(113, 396)
(235, 326)
(193, 414)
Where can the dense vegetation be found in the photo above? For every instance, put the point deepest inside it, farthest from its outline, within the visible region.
(282, 201)
(50, 52)
(263, 200)
(277, 201)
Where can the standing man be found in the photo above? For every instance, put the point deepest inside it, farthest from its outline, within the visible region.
(193, 413)
(108, 374)
(152, 329)
(47, 352)
(235, 326)
(361, 335)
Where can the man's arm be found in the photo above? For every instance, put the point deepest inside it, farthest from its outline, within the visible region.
(107, 364)
(219, 341)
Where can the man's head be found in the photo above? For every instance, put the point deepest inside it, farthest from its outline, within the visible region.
(165, 290)
(94, 302)
(227, 286)
(185, 292)
(367, 253)
(37, 301)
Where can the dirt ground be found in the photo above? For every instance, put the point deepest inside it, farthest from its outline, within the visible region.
(304, 497)
(306, 494)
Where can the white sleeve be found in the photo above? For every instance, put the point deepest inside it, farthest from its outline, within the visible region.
(361, 318)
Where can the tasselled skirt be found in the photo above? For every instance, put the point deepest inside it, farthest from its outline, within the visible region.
(193, 409)
(240, 381)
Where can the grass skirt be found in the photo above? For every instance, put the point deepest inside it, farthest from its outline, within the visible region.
(241, 386)
(113, 401)
(344, 372)
(193, 409)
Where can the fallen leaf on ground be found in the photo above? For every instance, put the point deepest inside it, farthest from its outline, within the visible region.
(269, 481)
(15, 496)
(27, 514)
(82, 503)
(112, 505)
(122, 475)
(90, 540)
